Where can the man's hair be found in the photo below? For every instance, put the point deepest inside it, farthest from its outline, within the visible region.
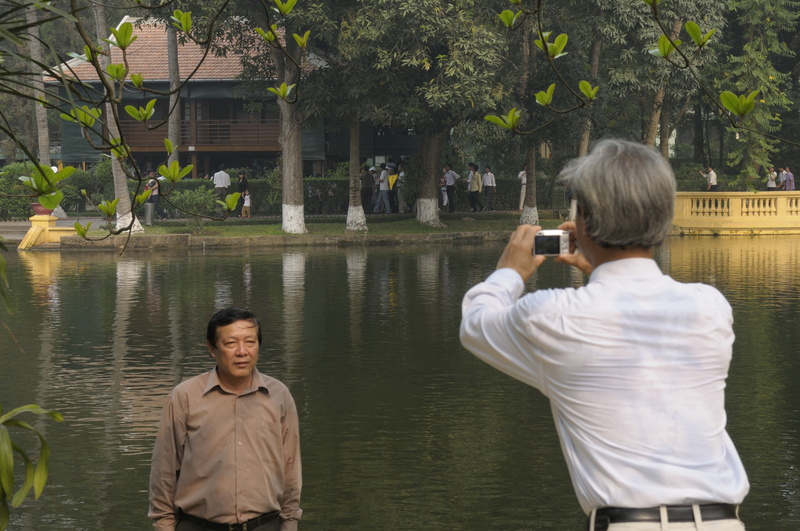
(626, 193)
(229, 315)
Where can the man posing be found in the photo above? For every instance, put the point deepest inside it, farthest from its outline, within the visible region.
(474, 187)
(634, 363)
(227, 453)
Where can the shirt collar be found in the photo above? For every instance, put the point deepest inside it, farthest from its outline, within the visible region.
(627, 268)
(259, 382)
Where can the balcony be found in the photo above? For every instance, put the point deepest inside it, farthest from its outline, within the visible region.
(730, 213)
(207, 135)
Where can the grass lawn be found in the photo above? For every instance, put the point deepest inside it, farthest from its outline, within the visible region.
(335, 225)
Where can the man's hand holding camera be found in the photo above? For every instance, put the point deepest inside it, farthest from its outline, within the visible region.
(519, 253)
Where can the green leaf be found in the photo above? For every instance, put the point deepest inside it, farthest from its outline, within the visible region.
(694, 32)
(587, 89)
(508, 17)
(142, 198)
(555, 50)
(546, 98)
(508, 121)
(270, 35)
(42, 468)
(123, 36)
(82, 230)
(27, 480)
(52, 200)
(301, 41)
(169, 146)
(285, 8)
(108, 208)
(137, 80)
(231, 201)
(6, 461)
(174, 172)
(83, 115)
(119, 150)
(665, 47)
(283, 91)
(182, 20)
(730, 101)
(117, 71)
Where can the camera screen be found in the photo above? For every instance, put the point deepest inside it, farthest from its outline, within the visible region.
(547, 244)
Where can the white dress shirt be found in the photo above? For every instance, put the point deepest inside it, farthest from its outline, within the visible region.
(634, 365)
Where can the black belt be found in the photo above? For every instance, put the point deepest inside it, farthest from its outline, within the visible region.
(216, 526)
(675, 513)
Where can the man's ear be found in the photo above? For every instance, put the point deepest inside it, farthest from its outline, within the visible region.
(211, 350)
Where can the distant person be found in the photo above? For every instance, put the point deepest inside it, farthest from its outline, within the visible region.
(789, 182)
(246, 204)
(450, 179)
(227, 453)
(393, 179)
(383, 193)
(242, 185)
(711, 179)
(443, 189)
(221, 183)
(155, 195)
(781, 178)
(772, 180)
(634, 363)
(489, 185)
(402, 206)
(474, 187)
(523, 179)
(366, 179)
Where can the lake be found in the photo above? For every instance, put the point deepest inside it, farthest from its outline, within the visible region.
(402, 429)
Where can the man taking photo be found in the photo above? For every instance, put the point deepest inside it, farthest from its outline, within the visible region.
(634, 363)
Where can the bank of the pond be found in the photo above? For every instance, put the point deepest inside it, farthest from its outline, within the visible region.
(459, 228)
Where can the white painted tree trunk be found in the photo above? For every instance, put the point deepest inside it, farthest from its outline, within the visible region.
(428, 212)
(530, 215)
(293, 218)
(356, 220)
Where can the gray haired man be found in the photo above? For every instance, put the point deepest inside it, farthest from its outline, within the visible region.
(634, 363)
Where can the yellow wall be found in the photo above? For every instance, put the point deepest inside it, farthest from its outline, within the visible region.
(737, 213)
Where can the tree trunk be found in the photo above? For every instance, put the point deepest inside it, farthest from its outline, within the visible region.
(42, 128)
(430, 156)
(594, 68)
(356, 220)
(125, 218)
(530, 212)
(655, 115)
(699, 135)
(290, 138)
(664, 131)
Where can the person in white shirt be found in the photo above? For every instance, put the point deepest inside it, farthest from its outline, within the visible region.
(523, 179)
(634, 363)
(711, 179)
(221, 183)
(489, 185)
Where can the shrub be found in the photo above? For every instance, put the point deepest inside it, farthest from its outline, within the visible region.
(199, 204)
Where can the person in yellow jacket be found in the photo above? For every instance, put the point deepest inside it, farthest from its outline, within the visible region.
(474, 187)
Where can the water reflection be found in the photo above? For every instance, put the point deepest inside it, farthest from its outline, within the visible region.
(402, 429)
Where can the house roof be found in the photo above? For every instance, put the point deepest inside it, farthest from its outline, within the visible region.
(147, 56)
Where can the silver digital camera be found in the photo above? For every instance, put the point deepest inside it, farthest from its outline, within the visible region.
(551, 242)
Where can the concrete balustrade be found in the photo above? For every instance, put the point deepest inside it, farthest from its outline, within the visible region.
(732, 213)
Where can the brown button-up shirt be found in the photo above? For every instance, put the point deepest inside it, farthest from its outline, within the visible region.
(225, 457)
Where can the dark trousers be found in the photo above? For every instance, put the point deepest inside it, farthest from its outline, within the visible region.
(475, 201)
(185, 525)
(489, 191)
(366, 199)
(451, 197)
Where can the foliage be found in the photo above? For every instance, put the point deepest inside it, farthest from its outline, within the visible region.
(200, 201)
(35, 476)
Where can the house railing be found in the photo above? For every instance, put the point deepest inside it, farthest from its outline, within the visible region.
(737, 213)
(260, 133)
